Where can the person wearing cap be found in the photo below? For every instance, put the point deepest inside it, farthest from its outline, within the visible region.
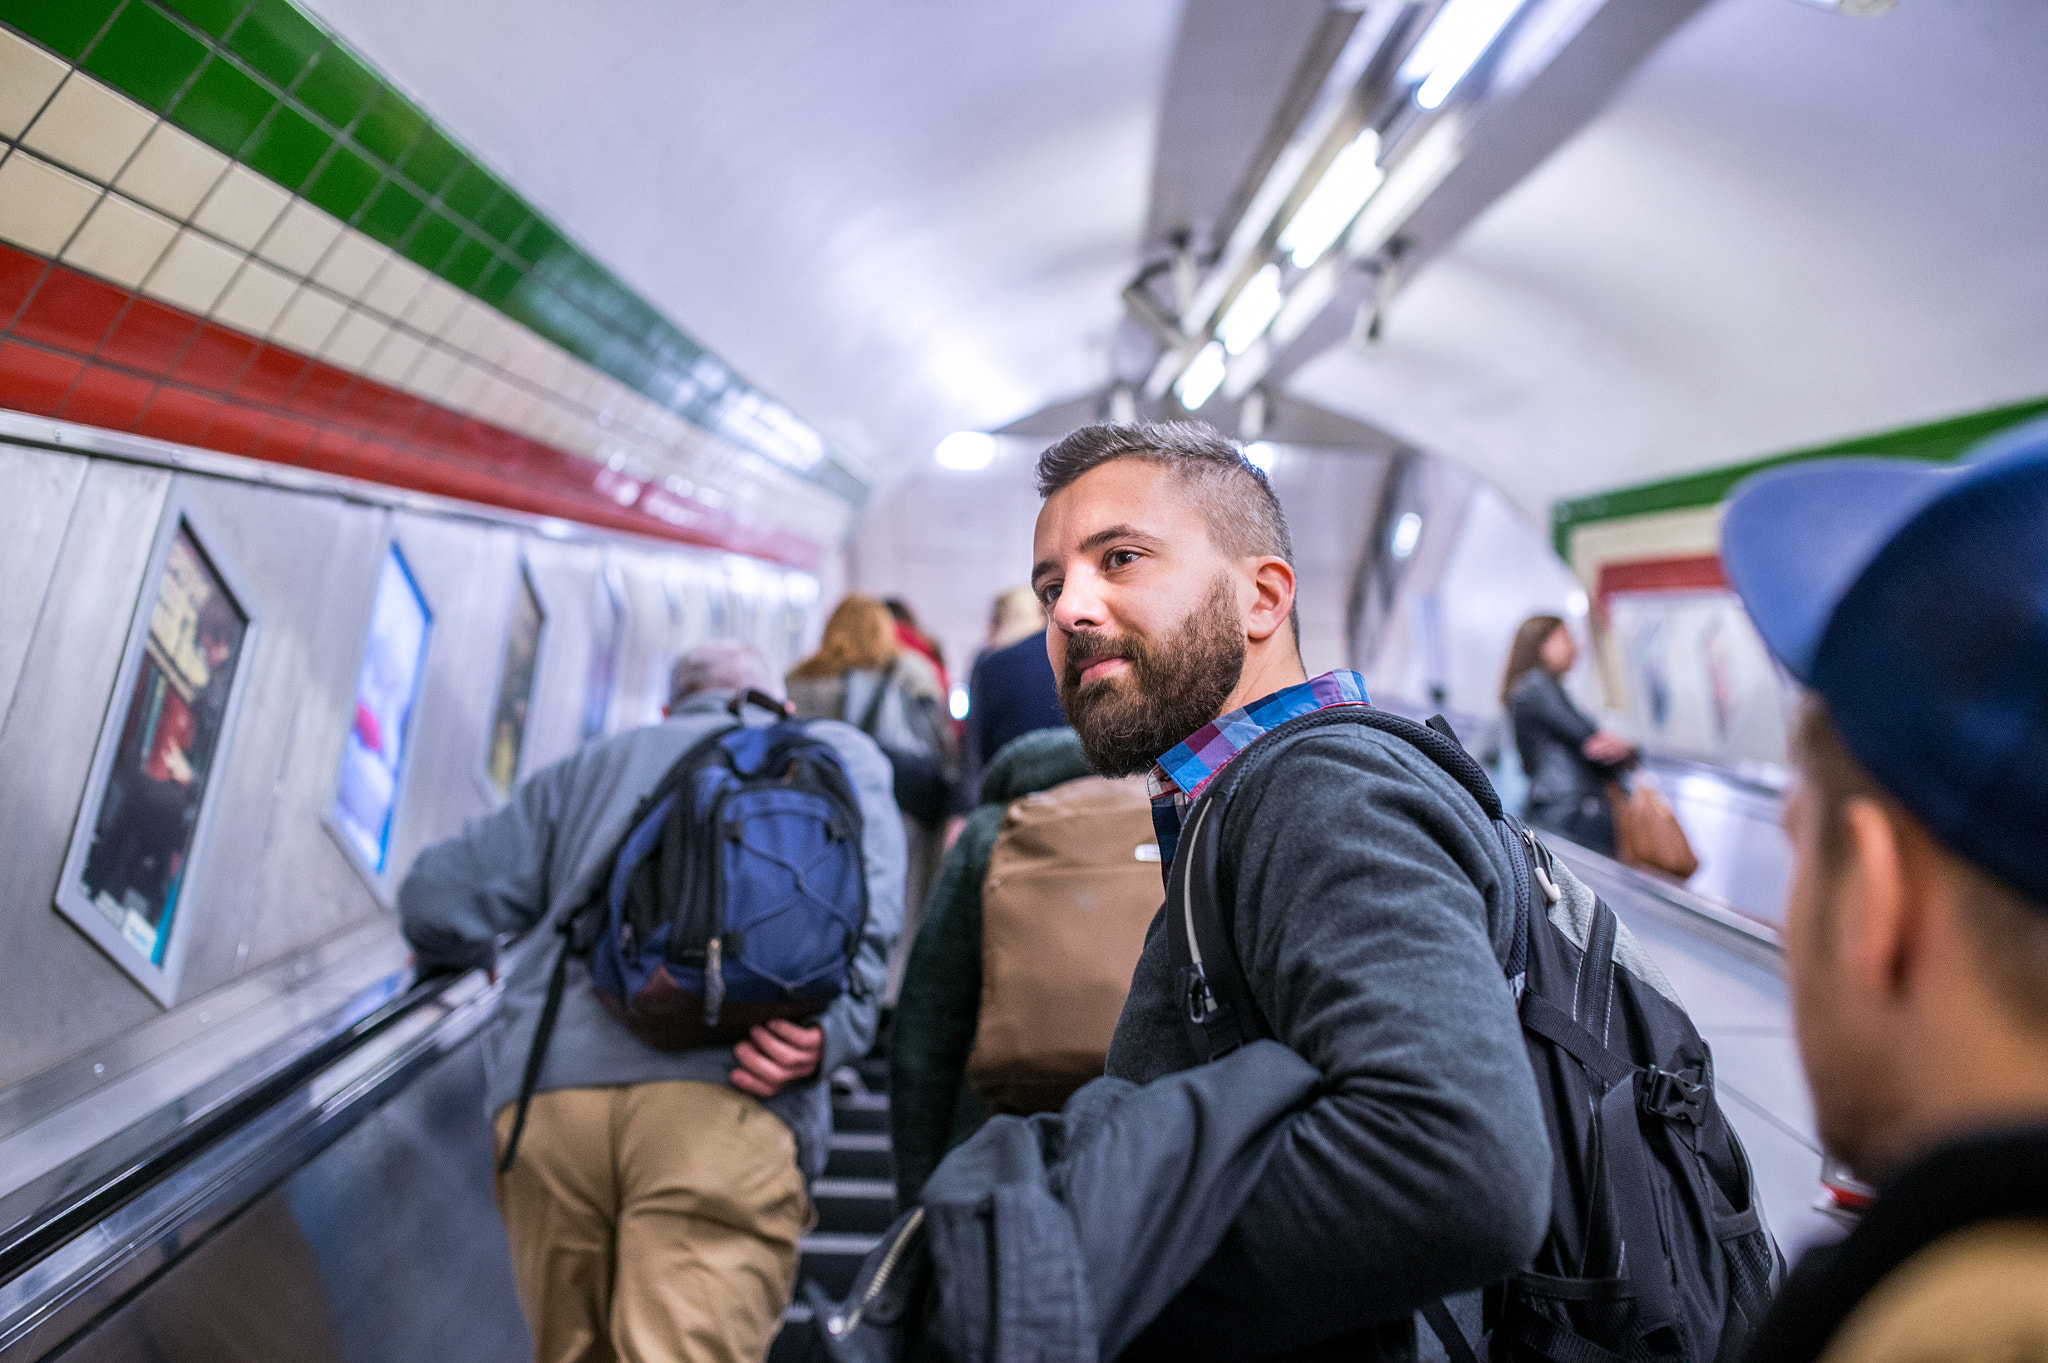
(1912, 604)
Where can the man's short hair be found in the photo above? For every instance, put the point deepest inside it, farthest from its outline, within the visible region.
(1235, 496)
(1244, 516)
(722, 665)
(2010, 930)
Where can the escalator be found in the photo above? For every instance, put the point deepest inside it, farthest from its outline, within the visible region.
(299, 1165)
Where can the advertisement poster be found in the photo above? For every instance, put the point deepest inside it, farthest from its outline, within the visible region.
(373, 755)
(149, 808)
(515, 687)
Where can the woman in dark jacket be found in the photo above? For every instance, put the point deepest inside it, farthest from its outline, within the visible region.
(1568, 758)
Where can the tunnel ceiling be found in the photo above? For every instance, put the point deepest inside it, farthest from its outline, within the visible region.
(910, 218)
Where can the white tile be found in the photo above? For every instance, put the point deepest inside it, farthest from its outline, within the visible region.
(466, 387)
(40, 205)
(193, 272)
(355, 340)
(253, 302)
(309, 320)
(351, 263)
(432, 375)
(27, 76)
(394, 359)
(467, 328)
(430, 311)
(241, 207)
(298, 240)
(121, 241)
(172, 171)
(89, 128)
(395, 287)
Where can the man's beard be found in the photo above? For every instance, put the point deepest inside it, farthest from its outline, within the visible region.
(1170, 689)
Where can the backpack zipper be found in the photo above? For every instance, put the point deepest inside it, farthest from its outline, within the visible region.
(1550, 890)
(848, 1323)
(714, 980)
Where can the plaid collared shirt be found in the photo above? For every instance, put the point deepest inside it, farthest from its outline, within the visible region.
(1177, 780)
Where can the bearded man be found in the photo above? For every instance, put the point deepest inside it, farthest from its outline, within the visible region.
(1370, 901)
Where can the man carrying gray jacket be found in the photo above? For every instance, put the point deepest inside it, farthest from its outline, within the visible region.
(658, 1197)
(1370, 901)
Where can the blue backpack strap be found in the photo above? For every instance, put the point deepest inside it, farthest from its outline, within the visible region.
(578, 928)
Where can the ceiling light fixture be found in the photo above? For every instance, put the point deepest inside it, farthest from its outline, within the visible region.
(1259, 454)
(966, 451)
(1329, 208)
(1199, 380)
(1453, 45)
(1252, 311)
(1407, 534)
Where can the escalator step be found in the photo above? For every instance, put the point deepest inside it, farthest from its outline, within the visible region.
(859, 1154)
(860, 1112)
(832, 1259)
(862, 1206)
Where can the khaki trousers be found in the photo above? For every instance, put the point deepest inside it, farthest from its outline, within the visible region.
(652, 1223)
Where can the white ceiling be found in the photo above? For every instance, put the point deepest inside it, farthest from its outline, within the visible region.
(900, 217)
(910, 216)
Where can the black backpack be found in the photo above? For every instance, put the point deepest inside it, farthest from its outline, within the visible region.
(1657, 1249)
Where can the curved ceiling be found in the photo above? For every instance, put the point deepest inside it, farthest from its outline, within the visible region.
(910, 217)
(900, 219)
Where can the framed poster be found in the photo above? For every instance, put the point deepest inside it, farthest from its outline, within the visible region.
(376, 748)
(165, 737)
(516, 668)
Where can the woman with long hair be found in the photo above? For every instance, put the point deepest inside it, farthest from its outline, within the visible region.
(860, 674)
(1569, 758)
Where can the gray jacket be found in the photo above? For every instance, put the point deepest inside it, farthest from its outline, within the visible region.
(533, 861)
(1370, 901)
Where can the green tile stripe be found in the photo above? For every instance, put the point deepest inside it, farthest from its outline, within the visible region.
(264, 83)
(1936, 442)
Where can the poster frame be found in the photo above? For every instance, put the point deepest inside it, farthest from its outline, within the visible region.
(522, 573)
(181, 511)
(383, 885)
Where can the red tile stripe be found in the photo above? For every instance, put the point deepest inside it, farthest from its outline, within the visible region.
(80, 349)
(1693, 573)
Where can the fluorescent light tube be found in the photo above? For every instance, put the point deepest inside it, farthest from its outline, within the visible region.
(966, 451)
(1407, 534)
(1453, 44)
(1252, 311)
(1335, 201)
(1200, 378)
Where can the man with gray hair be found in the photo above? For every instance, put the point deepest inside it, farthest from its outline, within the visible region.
(658, 1197)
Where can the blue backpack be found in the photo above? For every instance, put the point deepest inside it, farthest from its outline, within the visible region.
(737, 894)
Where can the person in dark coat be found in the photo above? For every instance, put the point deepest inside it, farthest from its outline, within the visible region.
(931, 1108)
(1011, 692)
(1912, 603)
(1569, 759)
(1368, 895)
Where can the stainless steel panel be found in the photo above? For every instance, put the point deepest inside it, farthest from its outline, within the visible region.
(57, 992)
(37, 492)
(305, 884)
(649, 649)
(565, 575)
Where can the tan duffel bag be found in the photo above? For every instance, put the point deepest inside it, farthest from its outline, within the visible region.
(1073, 882)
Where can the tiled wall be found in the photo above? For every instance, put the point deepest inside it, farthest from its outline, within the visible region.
(221, 227)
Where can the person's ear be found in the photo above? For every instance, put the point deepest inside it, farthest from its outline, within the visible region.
(1272, 597)
(1876, 927)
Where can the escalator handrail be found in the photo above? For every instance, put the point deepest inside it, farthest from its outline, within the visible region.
(22, 1245)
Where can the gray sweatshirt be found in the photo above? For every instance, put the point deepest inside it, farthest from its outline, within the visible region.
(530, 863)
(1370, 908)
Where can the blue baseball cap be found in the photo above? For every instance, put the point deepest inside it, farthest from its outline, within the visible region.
(1913, 600)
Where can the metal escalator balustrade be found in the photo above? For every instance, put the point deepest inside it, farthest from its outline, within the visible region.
(186, 1142)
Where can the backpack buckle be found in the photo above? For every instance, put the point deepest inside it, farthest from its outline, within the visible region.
(1196, 996)
(1674, 1097)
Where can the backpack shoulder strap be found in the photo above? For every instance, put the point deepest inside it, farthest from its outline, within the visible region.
(579, 931)
(1215, 1001)
(882, 685)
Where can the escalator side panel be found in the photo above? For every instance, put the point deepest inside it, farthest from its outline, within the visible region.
(386, 1246)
